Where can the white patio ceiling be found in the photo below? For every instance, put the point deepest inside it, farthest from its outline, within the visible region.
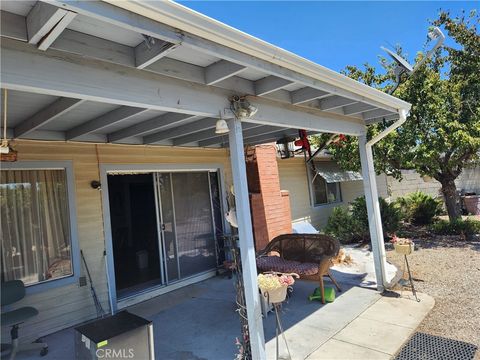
(82, 71)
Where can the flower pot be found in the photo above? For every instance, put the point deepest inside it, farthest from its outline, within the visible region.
(276, 296)
(472, 204)
(404, 249)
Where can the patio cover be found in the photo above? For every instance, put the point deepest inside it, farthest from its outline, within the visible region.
(157, 73)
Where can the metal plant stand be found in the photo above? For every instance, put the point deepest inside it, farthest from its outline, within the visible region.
(278, 331)
(410, 278)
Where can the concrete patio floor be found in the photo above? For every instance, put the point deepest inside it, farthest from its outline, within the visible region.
(200, 322)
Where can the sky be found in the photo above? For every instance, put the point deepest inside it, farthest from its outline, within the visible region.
(333, 34)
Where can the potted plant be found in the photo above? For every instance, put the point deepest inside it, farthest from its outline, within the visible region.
(274, 285)
(402, 245)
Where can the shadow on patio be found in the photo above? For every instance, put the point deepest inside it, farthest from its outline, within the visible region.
(200, 322)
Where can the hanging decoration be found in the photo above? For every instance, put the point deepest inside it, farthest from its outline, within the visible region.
(6, 151)
(303, 142)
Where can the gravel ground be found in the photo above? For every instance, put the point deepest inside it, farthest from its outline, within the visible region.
(449, 270)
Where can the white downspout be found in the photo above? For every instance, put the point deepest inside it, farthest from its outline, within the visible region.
(403, 113)
(371, 198)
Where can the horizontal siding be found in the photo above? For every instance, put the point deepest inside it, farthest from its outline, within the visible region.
(293, 177)
(65, 306)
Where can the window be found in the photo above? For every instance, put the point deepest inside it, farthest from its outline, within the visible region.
(36, 244)
(323, 192)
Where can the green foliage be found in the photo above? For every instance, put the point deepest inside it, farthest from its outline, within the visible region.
(419, 208)
(351, 225)
(456, 227)
(442, 133)
(342, 226)
(390, 214)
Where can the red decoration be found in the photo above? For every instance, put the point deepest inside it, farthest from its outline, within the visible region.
(340, 139)
(303, 141)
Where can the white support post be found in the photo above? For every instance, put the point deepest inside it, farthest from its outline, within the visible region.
(373, 209)
(247, 249)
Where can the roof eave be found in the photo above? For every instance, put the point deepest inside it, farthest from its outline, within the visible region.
(185, 19)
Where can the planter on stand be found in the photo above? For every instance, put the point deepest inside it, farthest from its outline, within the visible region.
(276, 296)
(405, 248)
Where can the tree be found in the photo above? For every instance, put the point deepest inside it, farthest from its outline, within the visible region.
(442, 133)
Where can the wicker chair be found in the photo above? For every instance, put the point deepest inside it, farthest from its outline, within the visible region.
(308, 255)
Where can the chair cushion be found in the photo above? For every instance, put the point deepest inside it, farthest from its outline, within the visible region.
(278, 264)
(18, 316)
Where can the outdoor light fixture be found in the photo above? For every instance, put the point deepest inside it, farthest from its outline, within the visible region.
(95, 184)
(241, 107)
(221, 126)
(286, 147)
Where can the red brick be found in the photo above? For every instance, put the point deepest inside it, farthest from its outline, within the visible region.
(270, 206)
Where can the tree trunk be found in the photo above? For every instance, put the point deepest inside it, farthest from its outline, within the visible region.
(452, 200)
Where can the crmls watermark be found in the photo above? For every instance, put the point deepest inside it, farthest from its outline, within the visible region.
(115, 353)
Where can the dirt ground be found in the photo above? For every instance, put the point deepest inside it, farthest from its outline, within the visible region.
(448, 269)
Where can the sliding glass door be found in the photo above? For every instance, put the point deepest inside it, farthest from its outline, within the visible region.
(135, 236)
(164, 227)
(194, 223)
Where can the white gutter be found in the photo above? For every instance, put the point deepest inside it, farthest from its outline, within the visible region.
(374, 216)
(403, 113)
(185, 19)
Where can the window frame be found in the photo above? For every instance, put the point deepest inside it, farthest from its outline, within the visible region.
(67, 166)
(312, 191)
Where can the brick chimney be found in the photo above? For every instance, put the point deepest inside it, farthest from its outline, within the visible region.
(270, 206)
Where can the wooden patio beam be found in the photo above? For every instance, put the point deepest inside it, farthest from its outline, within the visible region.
(307, 94)
(247, 133)
(47, 114)
(112, 117)
(156, 123)
(45, 23)
(143, 25)
(205, 135)
(334, 102)
(26, 69)
(145, 55)
(270, 84)
(199, 125)
(221, 70)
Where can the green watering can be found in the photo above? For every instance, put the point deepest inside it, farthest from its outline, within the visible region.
(329, 294)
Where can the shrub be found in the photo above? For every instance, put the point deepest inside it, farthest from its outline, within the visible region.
(351, 225)
(456, 227)
(389, 212)
(341, 226)
(419, 208)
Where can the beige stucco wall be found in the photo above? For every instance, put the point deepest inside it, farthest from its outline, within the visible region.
(293, 177)
(68, 305)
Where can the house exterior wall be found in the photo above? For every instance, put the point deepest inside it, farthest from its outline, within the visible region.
(294, 179)
(64, 306)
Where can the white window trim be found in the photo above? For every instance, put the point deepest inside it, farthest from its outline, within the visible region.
(312, 192)
(75, 252)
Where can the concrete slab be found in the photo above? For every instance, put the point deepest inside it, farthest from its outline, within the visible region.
(375, 335)
(200, 322)
(339, 350)
(400, 311)
(320, 323)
